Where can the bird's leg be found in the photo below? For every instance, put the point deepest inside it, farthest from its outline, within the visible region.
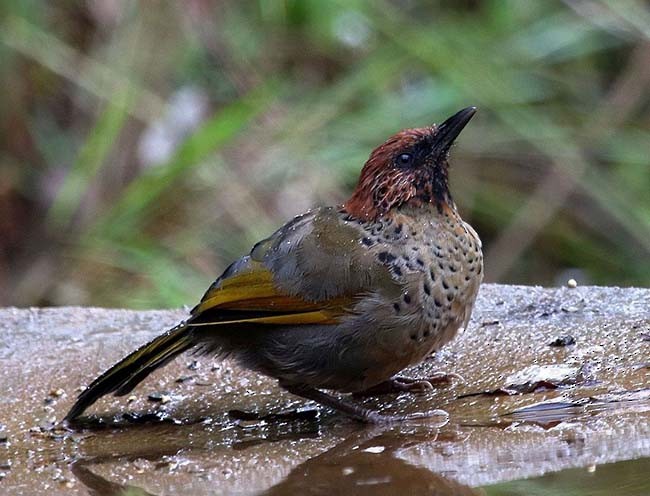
(357, 412)
(402, 384)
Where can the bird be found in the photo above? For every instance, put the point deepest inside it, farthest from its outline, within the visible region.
(341, 298)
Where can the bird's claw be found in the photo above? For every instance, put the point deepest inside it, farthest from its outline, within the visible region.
(401, 384)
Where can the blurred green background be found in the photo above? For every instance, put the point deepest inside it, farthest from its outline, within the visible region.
(145, 145)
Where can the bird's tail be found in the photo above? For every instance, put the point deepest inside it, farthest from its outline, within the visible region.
(122, 377)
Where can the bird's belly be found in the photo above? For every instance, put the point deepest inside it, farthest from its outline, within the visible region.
(437, 310)
(411, 341)
(349, 357)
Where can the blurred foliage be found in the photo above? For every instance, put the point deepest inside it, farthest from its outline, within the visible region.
(145, 145)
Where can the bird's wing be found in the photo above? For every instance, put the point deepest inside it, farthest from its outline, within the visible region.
(310, 271)
(251, 296)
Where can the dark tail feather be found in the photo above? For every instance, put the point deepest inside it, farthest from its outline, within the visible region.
(122, 377)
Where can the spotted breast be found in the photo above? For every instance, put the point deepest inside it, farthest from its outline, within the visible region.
(436, 258)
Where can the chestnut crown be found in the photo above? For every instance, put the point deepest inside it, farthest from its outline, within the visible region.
(409, 168)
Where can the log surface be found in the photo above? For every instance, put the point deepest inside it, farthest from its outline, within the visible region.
(554, 379)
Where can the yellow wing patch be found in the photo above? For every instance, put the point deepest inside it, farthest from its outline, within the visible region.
(254, 290)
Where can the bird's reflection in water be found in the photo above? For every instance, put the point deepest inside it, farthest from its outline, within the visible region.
(367, 464)
(364, 463)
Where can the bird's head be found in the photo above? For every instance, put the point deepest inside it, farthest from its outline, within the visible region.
(409, 168)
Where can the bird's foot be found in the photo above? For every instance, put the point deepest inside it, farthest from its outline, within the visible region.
(401, 384)
(361, 413)
(416, 385)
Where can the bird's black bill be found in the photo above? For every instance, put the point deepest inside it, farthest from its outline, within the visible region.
(449, 130)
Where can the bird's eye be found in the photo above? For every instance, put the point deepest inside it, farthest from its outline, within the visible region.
(404, 159)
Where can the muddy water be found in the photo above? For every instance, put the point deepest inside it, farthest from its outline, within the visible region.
(529, 417)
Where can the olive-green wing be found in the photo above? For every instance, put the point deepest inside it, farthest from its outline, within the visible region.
(311, 271)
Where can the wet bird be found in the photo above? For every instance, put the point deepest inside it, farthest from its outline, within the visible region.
(340, 298)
